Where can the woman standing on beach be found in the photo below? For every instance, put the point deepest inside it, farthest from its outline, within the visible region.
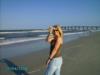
(54, 62)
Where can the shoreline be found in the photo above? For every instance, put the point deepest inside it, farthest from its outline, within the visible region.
(19, 49)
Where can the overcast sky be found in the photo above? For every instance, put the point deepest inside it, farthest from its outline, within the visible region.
(29, 14)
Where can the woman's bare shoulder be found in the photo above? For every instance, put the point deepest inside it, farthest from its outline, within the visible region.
(60, 40)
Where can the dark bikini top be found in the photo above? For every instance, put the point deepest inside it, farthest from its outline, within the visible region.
(53, 43)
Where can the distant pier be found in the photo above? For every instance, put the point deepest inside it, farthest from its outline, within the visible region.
(80, 28)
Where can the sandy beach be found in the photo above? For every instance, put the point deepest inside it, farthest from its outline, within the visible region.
(80, 57)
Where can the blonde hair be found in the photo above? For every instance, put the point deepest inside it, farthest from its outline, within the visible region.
(58, 27)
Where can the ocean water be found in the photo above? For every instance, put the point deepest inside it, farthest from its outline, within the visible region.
(19, 49)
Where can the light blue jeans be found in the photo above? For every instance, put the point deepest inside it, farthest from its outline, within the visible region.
(54, 67)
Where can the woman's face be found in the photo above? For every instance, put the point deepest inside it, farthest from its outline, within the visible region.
(56, 32)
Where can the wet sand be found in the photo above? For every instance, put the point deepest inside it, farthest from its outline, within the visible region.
(80, 57)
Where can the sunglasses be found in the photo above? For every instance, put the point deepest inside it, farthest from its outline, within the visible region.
(55, 30)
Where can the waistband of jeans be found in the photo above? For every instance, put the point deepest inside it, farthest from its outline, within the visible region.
(56, 58)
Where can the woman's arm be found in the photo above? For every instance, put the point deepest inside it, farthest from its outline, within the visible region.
(54, 51)
(50, 35)
(49, 38)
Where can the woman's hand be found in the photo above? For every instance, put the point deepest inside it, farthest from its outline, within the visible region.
(50, 29)
(48, 61)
